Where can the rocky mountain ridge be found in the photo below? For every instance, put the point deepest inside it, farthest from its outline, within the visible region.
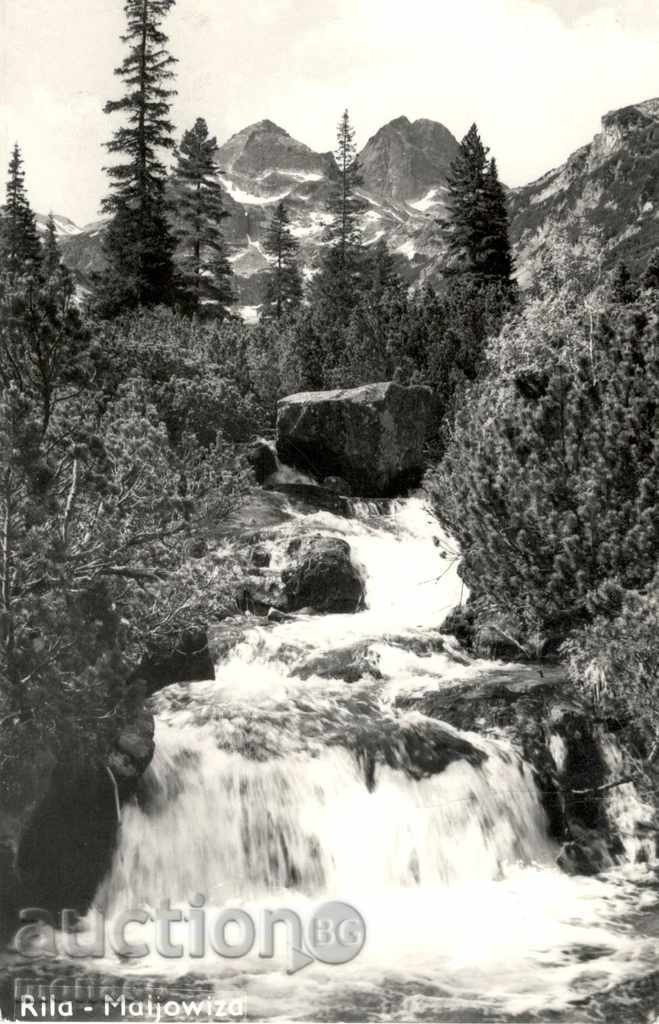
(608, 188)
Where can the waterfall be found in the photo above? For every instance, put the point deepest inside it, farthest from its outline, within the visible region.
(276, 787)
(224, 825)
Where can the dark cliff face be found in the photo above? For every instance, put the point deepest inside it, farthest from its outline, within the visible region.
(608, 189)
(405, 159)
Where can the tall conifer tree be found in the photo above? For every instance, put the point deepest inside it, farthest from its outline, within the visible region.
(343, 263)
(20, 249)
(478, 217)
(198, 213)
(52, 260)
(284, 285)
(138, 245)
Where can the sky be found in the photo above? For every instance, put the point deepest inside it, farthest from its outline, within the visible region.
(535, 75)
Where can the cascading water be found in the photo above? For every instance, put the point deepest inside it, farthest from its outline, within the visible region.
(275, 787)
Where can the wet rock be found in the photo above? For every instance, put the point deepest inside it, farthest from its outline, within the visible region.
(62, 846)
(499, 636)
(310, 573)
(259, 511)
(262, 458)
(419, 747)
(187, 659)
(538, 710)
(260, 556)
(587, 853)
(274, 615)
(495, 634)
(134, 749)
(423, 643)
(66, 845)
(322, 576)
(309, 498)
(372, 436)
(263, 589)
(350, 663)
(337, 484)
(224, 636)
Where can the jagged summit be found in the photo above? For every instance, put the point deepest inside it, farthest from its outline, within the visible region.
(635, 112)
(405, 159)
(609, 187)
(265, 146)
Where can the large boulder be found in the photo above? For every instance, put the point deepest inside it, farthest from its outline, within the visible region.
(313, 572)
(59, 823)
(372, 437)
(537, 708)
(322, 576)
(262, 458)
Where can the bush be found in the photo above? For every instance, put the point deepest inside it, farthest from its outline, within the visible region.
(100, 516)
(615, 662)
(195, 373)
(551, 490)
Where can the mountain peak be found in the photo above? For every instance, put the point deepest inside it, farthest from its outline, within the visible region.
(265, 147)
(398, 122)
(404, 159)
(266, 125)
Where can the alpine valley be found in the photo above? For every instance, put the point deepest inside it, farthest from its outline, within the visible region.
(608, 189)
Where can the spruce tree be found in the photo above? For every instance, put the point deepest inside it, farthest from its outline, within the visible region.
(343, 263)
(497, 254)
(478, 218)
(52, 259)
(198, 212)
(284, 284)
(138, 245)
(20, 249)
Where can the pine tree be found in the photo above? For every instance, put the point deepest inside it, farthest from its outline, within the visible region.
(52, 260)
(497, 255)
(478, 218)
(284, 285)
(20, 249)
(138, 244)
(198, 215)
(343, 263)
(345, 204)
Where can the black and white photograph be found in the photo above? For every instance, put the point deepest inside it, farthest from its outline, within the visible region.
(329, 519)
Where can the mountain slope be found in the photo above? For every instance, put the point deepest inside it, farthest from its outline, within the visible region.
(64, 228)
(609, 187)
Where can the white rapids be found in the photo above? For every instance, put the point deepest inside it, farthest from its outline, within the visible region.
(254, 800)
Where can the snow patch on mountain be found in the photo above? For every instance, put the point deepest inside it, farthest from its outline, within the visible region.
(64, 228)
(248, 198)
(428, 201)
